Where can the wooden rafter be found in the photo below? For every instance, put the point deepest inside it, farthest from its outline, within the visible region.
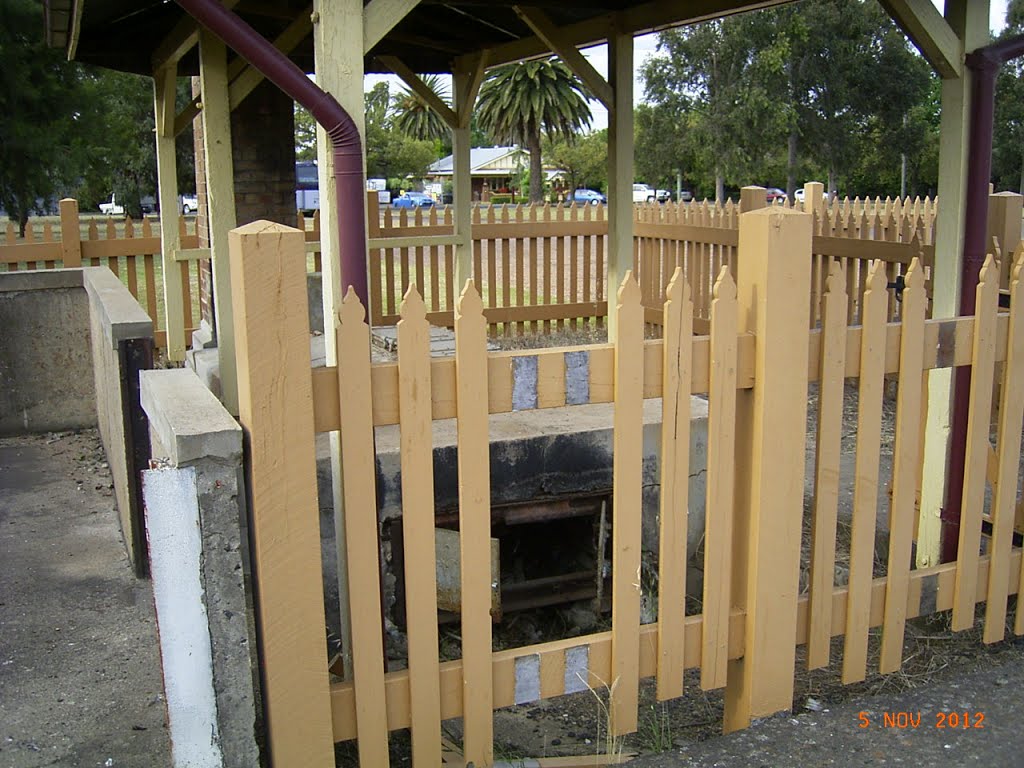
(637, 19)
(380, 17)
(421, 89)
(553, 37)
(930, 32)
(246, 78)
(180, 40)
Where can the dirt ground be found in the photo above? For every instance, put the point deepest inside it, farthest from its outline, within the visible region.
(80, 681)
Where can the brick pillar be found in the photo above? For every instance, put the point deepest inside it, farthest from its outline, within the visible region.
(263, 149)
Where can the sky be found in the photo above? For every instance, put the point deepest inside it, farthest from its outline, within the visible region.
(643, 48)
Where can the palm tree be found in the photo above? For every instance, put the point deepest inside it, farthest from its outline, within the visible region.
(518, 102)
(415, 118)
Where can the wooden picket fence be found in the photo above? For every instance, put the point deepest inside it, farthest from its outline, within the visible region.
(133, 254)
(543, 267)
(754, 367)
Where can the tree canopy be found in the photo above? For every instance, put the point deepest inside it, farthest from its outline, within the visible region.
(823, 88)
(68, 129)
(520, 102)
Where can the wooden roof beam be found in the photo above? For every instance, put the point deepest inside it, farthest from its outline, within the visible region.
(380, 17)
(244, 78)
(553, 37)
(639, 19)
(180, 40)
(931, 33)
(468, 86)
(421, 89)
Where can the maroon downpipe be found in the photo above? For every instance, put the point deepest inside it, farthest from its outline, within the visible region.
(985, 63)
(345, 142)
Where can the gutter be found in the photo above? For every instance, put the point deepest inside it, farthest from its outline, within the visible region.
(985, 64)
(340, 128)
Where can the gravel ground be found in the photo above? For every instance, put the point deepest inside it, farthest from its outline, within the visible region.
(80, 681)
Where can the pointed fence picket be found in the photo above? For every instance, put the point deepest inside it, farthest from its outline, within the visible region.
(674, 500)
(1011, 425)
(865, 489)
(978, 423)
(721, 480)
(825, 505)
(418, 527)
(907, 459)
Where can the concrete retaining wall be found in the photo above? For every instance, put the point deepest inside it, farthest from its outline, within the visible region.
(68, 336)
(122, 345)
(46, 381)
(199, 484)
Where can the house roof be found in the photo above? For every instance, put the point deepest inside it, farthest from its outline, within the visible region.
(479, 160)
(124, 34)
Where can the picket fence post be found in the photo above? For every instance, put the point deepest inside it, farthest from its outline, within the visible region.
(275, 409)
(773, 294)
(70, 233)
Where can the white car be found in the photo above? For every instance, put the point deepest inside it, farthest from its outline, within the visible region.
(645, 194)
(189, 204)
(112, 207)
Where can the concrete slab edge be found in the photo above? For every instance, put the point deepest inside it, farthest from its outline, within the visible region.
(187, 419)
(123, 317)
(41, 280)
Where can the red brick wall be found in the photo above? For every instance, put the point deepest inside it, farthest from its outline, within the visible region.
(263, 150)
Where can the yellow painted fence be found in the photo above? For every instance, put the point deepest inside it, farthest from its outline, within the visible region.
(755, 367)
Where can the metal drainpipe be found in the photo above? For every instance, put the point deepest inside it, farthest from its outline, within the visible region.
(985, 64)
(345, 141)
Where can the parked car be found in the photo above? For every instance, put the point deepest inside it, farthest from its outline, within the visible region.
(413, 200)
(775, 194)
(112, 207)
(643, 193)
(189, 204)
(588, 197)
(685, 196)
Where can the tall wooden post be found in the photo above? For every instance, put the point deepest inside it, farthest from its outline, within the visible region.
(70, 233)
(753, 198)
(1004, 223)
(338, 55)
(220, 199)
(620, 164)
(275, 394)
(462, 180)
(814, 197)
(164, 90)
(969, 20)
(774, 302)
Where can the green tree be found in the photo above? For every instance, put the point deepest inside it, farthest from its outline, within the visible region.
(415, 118)
(1008, 136)
(584, 161)
(721, 83)
(305, 134)
(389, 153)
(41, 101)
(519, 102)
(665, 150)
